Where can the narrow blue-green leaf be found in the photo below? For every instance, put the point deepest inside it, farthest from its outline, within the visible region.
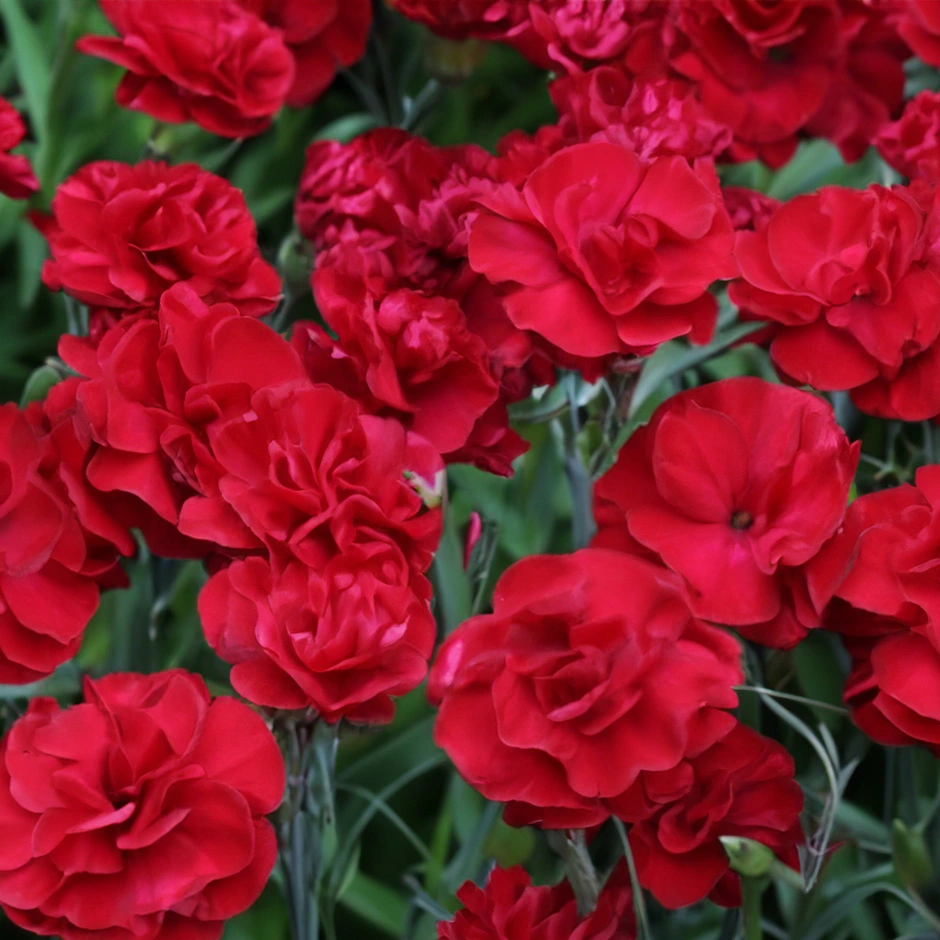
(31, 56)
(377, 904)
(674, 358)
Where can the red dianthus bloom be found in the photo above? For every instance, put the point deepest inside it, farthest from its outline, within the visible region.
(210, 62)
(589, 673)
(602, 252)
(736, 482)
(510, 907)
(121, 235)
(741, 786)
(138, 813)
(859, 303)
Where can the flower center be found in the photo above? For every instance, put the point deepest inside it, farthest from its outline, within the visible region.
(741, 519)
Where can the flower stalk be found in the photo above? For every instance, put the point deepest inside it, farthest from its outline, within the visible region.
(307, 832)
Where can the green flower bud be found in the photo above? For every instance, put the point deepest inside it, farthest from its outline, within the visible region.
(910, 854)
(747, 857)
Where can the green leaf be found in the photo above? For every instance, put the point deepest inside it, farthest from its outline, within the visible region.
(813, 162)
(838, 910)
(347, 127)
(38, 384)
(65, 682)
(377, 904)
(820, 676)
(30, 53)
(911, 855)
(676, 357)
(267, 918)
(30, 255)
(452, 594)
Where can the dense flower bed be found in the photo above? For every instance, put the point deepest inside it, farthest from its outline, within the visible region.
(733, 379)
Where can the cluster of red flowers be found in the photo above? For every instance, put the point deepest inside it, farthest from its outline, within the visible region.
(308, 471)
(591, 691)
(766, 73)
(228, 65)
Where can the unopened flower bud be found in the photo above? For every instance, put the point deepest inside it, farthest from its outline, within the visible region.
(748, 857)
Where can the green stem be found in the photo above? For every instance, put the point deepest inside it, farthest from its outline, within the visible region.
(579, 479)
(639, 901)
(929, 915)
(814, 703)
(307, 818)
(580, 869)
(751, 891)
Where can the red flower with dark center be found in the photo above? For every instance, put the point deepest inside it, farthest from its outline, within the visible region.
(734, 485)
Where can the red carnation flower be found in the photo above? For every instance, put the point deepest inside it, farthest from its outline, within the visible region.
(365, 183)
(465, 19)
(153, 384)
(883, 578)
(919, 26)
(341, 638)
(390, 216)
(748, 208)
(742, 786)
(579, 33)
(573, 687)
(323, 37)
(67, 448)
(310, 471)
(138, 813)
(877, 574)
(912, 144)
(654, 118)
(390, 210)
(761, 69)
(122, 235)
(493, 20)
(602, 252)
(510, 907)
(17, 179)
(408, 356)
(210, 62)
(859, 304)
(892, 689)
(867, 89)
(738, 482)
(50, 568)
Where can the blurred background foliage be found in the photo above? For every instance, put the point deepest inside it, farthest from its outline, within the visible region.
(408, 831)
